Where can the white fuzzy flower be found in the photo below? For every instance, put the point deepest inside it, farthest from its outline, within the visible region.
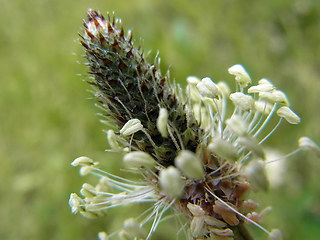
(197, 153)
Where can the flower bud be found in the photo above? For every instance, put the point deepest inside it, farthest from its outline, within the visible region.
(162, 122)
(131, 127)
(170, 182)
(289, 115)
(208, 88)
(241, 75)
(244, 102)
(139, 159)
(189, 164)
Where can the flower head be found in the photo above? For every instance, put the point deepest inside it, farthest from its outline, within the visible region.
(193, 157)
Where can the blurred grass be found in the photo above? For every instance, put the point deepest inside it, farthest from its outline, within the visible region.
(47, 119)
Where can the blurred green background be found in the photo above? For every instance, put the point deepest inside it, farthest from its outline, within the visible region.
(47, 118)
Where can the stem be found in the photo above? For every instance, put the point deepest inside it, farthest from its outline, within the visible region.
(241, 232)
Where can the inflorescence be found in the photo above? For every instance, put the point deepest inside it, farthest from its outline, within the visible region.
(195, 157)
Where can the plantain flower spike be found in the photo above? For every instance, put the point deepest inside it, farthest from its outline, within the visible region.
(197, 153)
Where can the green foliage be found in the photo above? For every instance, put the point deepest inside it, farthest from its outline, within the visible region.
(47, 119)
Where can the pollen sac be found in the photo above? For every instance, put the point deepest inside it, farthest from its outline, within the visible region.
(193, 80)
(261, 88)
(237, 125)
(131, 127)
(244, 102)
(208, 88)
(224, 89)
(171, 182)
(241, 75)
(275, 97)
(139, 159)
(289, 115)
(307, 144)
(189, 164)
(74, 203)
(82, 161)
(112, 140)
(162, 122)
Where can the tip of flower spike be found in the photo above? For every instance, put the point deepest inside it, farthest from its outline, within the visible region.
(96, 22)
